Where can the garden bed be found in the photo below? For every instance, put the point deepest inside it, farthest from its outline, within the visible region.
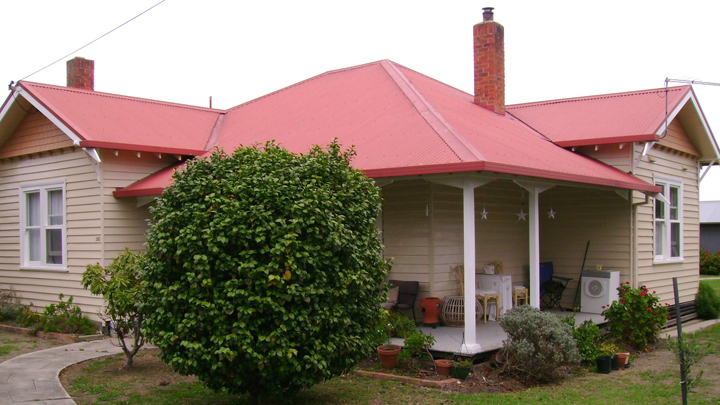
(64, 337)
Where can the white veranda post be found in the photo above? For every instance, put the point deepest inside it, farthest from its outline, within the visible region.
(534, 190)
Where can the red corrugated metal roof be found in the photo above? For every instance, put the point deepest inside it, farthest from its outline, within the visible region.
(401, 123)
(610, 118)
(103, 120)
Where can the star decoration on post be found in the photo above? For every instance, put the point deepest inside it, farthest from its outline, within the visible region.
(521, 215)
(483, 214)
(551, 214)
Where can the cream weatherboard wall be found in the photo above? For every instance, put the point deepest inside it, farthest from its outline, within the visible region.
(664, 162)
(98, 226)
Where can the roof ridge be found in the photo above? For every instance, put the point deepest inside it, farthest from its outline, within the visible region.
(120, 96)
(329, 72)
(457, 143)
(596, 97)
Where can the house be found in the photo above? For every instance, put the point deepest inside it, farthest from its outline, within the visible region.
(465, 178)
(710, 226)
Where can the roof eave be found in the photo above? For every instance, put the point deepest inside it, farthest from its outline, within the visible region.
(464, 167)
(142, 148)
(609, 140)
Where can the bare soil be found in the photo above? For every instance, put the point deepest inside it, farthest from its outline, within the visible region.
(148, 373)
(16, 344)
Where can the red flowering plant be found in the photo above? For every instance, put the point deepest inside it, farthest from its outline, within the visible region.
(636, 317)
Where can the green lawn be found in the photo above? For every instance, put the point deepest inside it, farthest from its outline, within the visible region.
(652, 378)
(715, 284)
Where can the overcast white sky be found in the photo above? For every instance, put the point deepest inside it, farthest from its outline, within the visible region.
(234, 50)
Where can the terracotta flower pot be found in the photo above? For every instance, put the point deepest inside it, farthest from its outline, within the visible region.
(443, 367)
(388, 355)
(430, 307)
(623, 359)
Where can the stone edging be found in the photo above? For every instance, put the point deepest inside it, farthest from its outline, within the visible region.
(51, 335)
(406, 380)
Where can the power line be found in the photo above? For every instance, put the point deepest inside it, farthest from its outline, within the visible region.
(93, 41)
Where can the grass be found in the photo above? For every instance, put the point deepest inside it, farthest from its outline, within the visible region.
(715, 284)
(653, 378)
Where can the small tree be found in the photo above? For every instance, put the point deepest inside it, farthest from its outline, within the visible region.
(120, 286)
(265, 269)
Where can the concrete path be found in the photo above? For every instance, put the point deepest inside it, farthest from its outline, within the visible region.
(33, 378)
(689, 327)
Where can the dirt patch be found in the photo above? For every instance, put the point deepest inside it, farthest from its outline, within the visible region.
(148, 373)
(16, 344)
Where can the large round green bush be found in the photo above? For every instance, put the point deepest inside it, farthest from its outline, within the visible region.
(265, 269)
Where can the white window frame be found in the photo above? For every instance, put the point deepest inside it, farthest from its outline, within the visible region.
(43, 190)
(665, 256)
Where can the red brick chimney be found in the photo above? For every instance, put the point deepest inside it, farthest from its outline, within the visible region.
(81, 73)
(489, 56)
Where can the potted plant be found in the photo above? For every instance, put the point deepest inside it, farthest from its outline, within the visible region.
(388, 354)
(461, 369)
(604, 360)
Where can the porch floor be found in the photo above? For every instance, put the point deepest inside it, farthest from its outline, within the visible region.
(490, 335)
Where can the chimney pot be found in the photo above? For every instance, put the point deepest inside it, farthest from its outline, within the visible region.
(488, 13)
(81, 73)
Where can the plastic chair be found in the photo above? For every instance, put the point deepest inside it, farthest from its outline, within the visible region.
(551, 287)
(406, 297)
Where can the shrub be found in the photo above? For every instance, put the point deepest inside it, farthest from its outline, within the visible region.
(707, 302)
(587, 336)
(120, 286)
(63, 317)
(709, 263)
(264, 269)
(636, 317)
(10, 306)
(540, 347)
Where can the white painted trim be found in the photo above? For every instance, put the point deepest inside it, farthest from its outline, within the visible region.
(707, 169)
(382, 182)
(64, 128)
(42, 188)
(144, 200)
(646, 149)
(625, 194)
(95, 161)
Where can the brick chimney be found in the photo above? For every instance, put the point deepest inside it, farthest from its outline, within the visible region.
(81, 73)
(489, 59)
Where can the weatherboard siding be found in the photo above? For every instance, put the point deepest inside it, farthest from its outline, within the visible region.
(124, 223)
(41, 287)
(657, 276)
(601, 217)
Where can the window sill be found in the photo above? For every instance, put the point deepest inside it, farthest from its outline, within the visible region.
(669, 261)
(62, 269)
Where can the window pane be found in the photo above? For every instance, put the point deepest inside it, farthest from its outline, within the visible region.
(659, 205)
(54, 246)
(55, 205)
(659, 238)
(675, 239)
(34, 245)
(33, 209)
(674, 195)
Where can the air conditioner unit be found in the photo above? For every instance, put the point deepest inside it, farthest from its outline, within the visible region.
(599, 288)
